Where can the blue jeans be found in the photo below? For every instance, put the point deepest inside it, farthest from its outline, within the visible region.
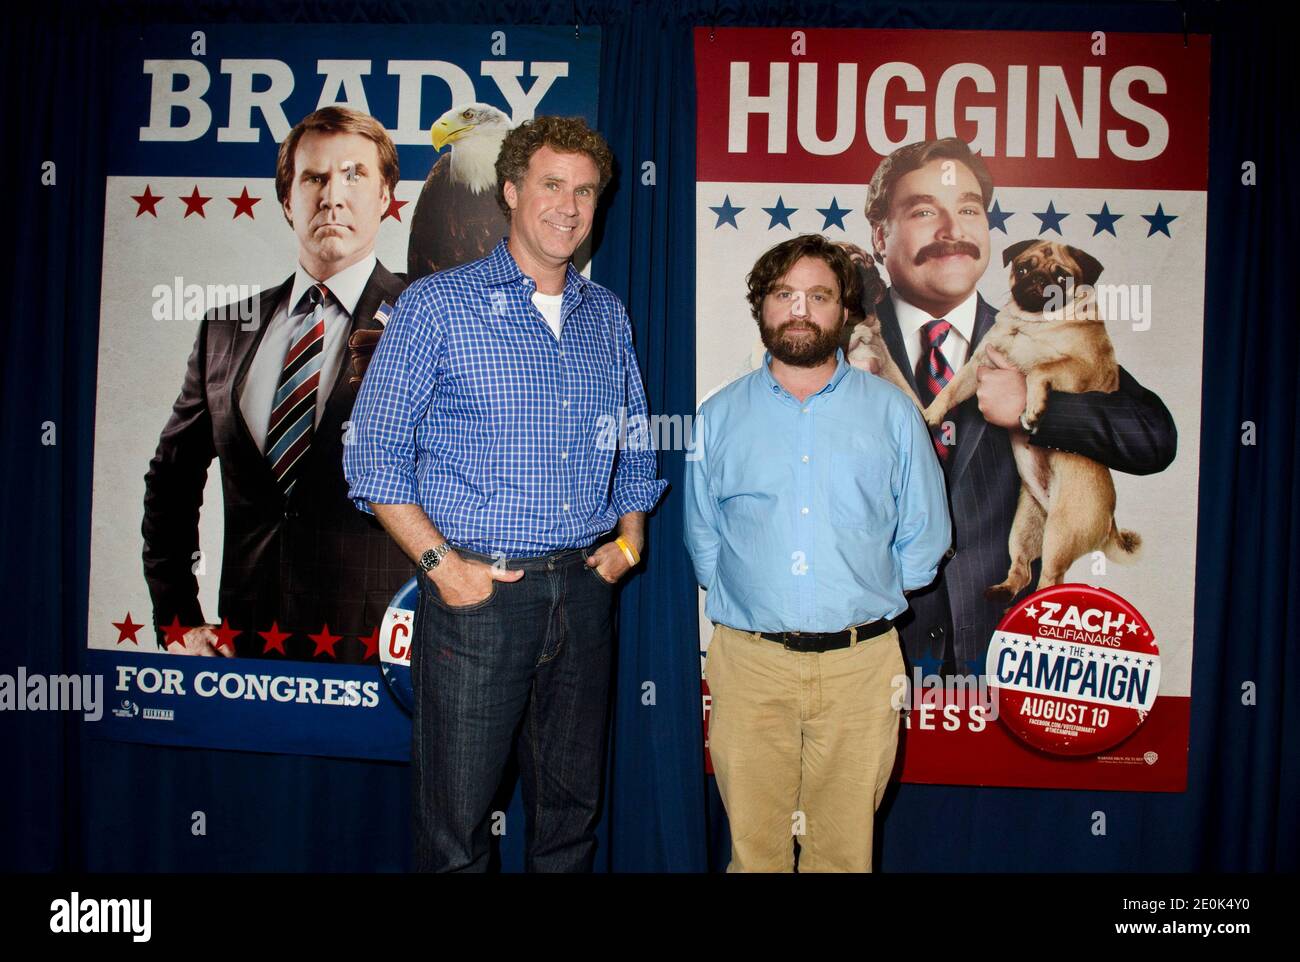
(528, 668)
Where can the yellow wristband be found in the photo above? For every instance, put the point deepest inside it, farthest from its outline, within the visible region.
(629, 552)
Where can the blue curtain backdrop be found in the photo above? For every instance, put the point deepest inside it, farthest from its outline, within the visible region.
(71, 803)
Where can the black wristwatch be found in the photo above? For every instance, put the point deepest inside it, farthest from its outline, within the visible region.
(430, 559)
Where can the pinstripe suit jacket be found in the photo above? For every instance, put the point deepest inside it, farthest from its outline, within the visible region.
(303, 562)
(1130, 430)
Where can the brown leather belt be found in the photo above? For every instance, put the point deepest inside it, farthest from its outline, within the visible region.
(828, 640)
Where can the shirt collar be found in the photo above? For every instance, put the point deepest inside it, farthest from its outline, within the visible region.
(346, 285)
(911, 319)
(501, 268)
(773, 386)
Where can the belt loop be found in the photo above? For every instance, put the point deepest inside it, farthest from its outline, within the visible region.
(853, 636)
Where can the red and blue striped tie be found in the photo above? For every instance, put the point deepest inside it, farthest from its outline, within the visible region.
(933, 373)
(293, 412)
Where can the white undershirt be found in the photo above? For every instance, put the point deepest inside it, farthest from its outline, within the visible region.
(549, 305)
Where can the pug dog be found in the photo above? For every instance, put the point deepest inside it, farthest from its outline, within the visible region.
(1051, 331)
(863, 345)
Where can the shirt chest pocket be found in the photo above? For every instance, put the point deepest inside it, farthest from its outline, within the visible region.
(860, 492)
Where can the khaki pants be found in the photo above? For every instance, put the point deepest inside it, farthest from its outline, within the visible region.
(802, 745)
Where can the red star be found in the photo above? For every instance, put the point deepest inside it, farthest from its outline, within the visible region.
(147, 201)
(175, 632)
(394, 208)
(194, 203)
(325, 642)
(126, 630)
(371, 641)
(274, 639)
(226, 636)
(244, 204)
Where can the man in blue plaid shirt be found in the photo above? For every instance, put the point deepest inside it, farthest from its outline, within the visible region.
(480, 442)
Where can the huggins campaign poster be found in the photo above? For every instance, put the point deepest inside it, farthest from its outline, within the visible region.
(1041, 196)
(238, 599)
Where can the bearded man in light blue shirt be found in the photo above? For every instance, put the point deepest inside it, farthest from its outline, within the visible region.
(816, 501)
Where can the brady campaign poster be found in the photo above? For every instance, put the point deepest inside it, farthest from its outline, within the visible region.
(238, 598)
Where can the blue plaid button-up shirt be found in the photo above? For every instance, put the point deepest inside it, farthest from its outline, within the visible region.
(473, 409)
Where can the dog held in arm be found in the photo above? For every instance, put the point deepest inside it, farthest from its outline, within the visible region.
(864, 346)
(1051, 331)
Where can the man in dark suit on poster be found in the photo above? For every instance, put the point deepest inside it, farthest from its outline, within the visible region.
(303, 573)
(927, 205)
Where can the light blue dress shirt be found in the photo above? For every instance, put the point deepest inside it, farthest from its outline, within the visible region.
(812, 516)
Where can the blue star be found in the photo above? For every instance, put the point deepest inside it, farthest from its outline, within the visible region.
(1159, 221)
(1050, 219)
(1105, 221)
(929, 665)
(834, 214)
(780, 214)
(726, 213)
(998, 217)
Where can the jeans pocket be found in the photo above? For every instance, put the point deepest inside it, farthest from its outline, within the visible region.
(596, 574)
(436, 596)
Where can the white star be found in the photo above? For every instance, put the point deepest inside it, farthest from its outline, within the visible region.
(1032, 612)
(1132, 627)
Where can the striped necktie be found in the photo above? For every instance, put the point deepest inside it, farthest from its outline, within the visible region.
(933, 374)
(293, 412)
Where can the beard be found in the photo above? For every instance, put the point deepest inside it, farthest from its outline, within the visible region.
(801, 350)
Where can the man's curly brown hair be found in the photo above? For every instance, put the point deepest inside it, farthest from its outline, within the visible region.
(568, 135)
(776, 263)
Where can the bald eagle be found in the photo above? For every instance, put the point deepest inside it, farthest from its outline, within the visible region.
(456, 218)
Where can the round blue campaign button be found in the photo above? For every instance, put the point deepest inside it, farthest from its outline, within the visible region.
(396, 637)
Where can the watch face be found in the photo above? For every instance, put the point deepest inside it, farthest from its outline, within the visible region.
(429, 560)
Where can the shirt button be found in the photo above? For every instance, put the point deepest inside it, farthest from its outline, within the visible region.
(564, 403)
(564, 455)
(805, 410)
(805, 459)
(565, 506)
(803, 510)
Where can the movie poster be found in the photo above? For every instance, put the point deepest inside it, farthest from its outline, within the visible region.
(220, 519)
(1097, 149)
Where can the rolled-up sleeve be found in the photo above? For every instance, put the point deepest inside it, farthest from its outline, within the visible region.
(636, 487)
(380, 456)
(700, 512)
(924, 527)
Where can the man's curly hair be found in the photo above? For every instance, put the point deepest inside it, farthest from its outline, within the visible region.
(776, 263)
(567, 135)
